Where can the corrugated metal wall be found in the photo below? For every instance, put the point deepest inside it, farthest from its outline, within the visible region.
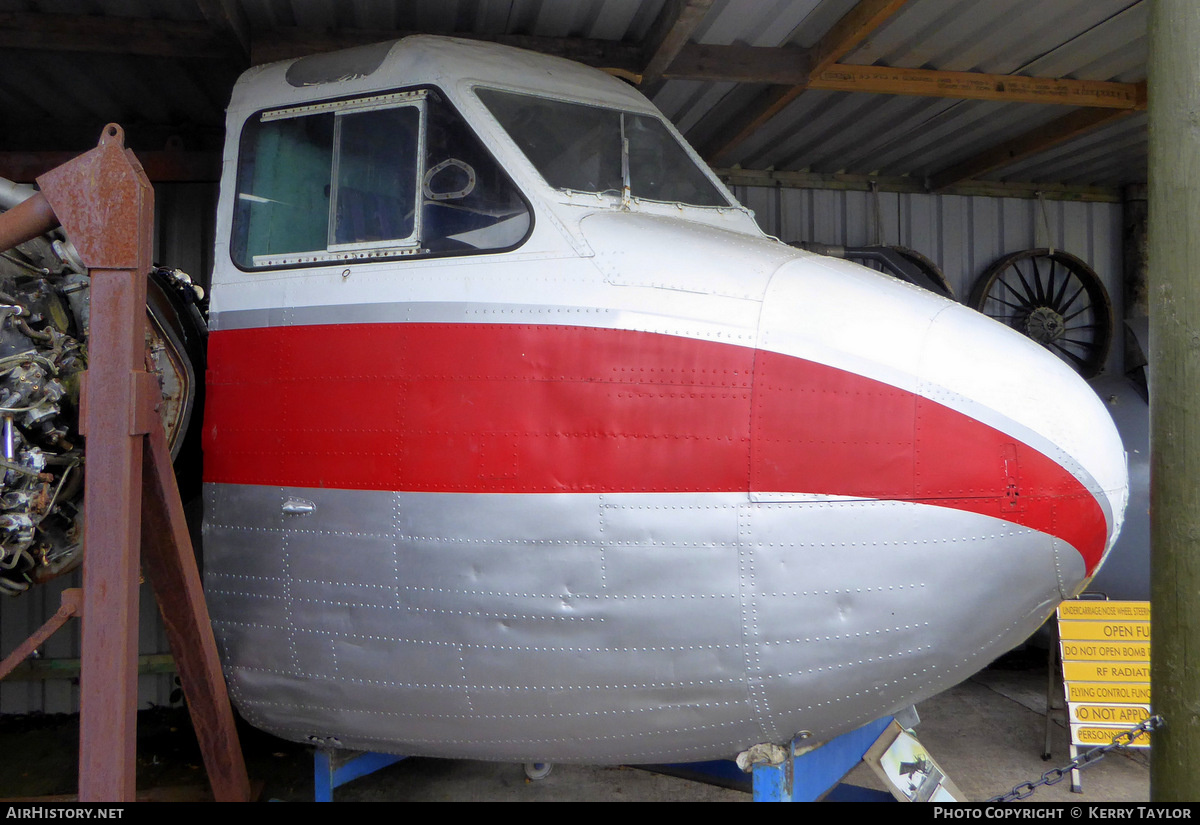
(962, 235)
(184, 215)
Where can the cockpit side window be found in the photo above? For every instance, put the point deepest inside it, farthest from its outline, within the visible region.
(283, 187)
(580, 147)
(391, 175)
(468, 201)
(375, 179)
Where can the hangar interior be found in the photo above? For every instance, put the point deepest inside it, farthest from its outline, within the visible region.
(964, 130)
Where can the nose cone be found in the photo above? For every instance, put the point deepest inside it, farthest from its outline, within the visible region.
(1011, 384)
(996, 425)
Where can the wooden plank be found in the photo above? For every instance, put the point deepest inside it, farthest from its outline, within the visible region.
(112, 35)
(850, 30)
(783, 66)
(909, 185)
(1026, 145)
(164, 166)
(675, 24)
(229, 19)
(43, 670)
(789, 67)
(979, 86)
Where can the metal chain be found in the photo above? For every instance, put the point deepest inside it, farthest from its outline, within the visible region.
(1122, 740)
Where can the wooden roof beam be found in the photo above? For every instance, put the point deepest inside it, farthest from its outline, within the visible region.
(979, 86)
(162, 166)
(867, 183)
(112, 35)
(1023, 146)
(669, 34)
(778, 66)
(229, 19)
(846, 33)
(852, 29)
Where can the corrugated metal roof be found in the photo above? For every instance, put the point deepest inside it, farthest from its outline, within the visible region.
(894, 135)
(50, 94)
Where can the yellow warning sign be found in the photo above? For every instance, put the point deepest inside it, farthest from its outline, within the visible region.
(1104, 631)
(1106, 666)
(1101, 611)
(1106, 651)
(1091, 735)
(1122, 715)
(1110, 692)
(1106, 671)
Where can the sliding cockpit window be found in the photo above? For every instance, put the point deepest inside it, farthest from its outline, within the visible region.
(385, 176)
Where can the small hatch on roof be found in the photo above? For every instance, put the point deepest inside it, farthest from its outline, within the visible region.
(336, 67)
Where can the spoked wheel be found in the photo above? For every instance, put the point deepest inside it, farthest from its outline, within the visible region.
(1053, 298)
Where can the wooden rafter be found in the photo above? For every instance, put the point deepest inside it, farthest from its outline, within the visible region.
(782, 66)
(112, 35)
(979, 86)
(847, 33)
(675, 24)
(1031, 143)
(228, 18)
(866, 183)
(852, 29)
(162, 166)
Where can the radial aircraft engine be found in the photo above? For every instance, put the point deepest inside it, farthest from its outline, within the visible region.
(523, 442)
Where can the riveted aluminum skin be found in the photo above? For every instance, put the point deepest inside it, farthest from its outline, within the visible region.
(649, 487)
(603, 628)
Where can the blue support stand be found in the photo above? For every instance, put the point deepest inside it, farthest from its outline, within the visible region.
(811, 775)
(331, 769)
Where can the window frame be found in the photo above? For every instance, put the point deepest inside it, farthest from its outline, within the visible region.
(334, 252)
(370, 251)
(624, 108)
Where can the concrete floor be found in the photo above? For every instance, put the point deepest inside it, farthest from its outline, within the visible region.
(986, 734)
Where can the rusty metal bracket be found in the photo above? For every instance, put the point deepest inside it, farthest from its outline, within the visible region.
(71, 605)
(147, 396)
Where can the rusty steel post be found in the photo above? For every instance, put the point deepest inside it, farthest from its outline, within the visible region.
(106, 205)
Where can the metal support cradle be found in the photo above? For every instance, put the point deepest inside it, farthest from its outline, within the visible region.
(133, 515)
(809, 776)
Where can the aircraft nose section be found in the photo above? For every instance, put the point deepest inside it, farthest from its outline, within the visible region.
(1071, 461)
(926, 401)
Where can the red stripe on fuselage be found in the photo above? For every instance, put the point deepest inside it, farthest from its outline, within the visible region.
(506, 408)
